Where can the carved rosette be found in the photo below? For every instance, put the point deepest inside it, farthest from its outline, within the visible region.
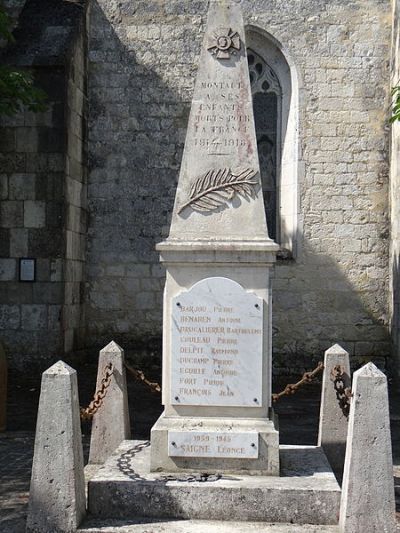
(223, 43)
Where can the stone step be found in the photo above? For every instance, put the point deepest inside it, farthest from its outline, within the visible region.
(197, 526)
(306, 492)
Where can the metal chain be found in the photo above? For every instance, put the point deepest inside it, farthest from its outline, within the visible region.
(291, 388)
(343, 393)
(98, 398)
(139, 376)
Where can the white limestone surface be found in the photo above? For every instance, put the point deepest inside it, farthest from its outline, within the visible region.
(219, 229)
(216, 345)
(368, 502)
(333, 422)
(306, 492)
(57, 493)
(111, 424)
(239, 445)
(219, 190)
(198, 526)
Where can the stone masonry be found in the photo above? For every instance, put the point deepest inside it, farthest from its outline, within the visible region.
(42, 195)
(142, 60)
(394, 268)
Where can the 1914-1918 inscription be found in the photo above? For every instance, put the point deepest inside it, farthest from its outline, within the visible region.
(216, 345)
(222, 123)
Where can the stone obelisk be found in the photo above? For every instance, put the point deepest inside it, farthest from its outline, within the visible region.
(218, 257)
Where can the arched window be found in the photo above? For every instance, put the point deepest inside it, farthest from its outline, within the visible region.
(267, 102)
(275, 91)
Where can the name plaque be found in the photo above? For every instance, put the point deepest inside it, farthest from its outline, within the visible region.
(205, 444)
(216, 345)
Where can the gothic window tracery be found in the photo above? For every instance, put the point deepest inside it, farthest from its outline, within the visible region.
(267, 101)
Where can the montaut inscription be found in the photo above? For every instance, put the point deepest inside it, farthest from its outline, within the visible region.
(221, 123)
(216, 345)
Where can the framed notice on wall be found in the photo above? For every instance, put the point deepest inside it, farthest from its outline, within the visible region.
(27, 269)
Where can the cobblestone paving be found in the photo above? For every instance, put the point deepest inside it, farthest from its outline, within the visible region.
(298, 417)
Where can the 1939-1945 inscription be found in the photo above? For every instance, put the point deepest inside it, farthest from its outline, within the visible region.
(239, 445)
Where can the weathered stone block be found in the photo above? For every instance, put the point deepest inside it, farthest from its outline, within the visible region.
(9, 316)
(145, 300)
(19, 293)
(42, 269)
(18, 242)
(305, 492)
(7, 139)
(27, 140)
(22, 187)
(111, 423)
(8, 269)
(56, 270)
(4, 242)
(3, 186)
(368, 469)
(332, 419)
(54, 317)
(11, 214)
(3, 388)
(33, 317)
(34, 214)
(44, 242)
(49, 293)
(57, 491)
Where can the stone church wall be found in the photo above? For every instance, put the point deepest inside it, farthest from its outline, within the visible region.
(94, 234)
(142, 65)
(40, 171)
(75, 228)
(395, 198)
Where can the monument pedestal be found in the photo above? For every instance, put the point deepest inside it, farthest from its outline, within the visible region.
(306, 492)
(240, 446)
(219, 258)
(217, 360)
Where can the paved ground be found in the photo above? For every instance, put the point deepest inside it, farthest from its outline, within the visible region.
(298, 417)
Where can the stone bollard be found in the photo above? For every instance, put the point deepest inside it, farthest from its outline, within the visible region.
(57, 494)
(333, 423)
(110, 424)
(367, 504)
(3, 389)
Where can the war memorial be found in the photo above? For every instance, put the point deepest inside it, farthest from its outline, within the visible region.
(214, 456)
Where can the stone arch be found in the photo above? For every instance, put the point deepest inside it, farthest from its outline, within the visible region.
(275, 91)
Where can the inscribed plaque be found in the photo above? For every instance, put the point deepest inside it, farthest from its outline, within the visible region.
(235, 445)
(216, 345)
(27, 268)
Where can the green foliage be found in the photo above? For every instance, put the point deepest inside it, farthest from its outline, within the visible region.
(16, 86)
(395, 104)
(5, 25)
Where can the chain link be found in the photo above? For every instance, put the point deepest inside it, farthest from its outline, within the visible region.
(98, 398)
(343, 393)
(139, 376)
(291, 388)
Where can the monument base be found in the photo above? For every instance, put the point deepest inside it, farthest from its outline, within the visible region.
(306, 492)
(234, 446)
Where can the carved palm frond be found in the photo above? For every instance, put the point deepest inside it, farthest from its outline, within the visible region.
(216, 187)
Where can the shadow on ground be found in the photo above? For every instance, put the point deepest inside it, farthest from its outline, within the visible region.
(298, 419)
